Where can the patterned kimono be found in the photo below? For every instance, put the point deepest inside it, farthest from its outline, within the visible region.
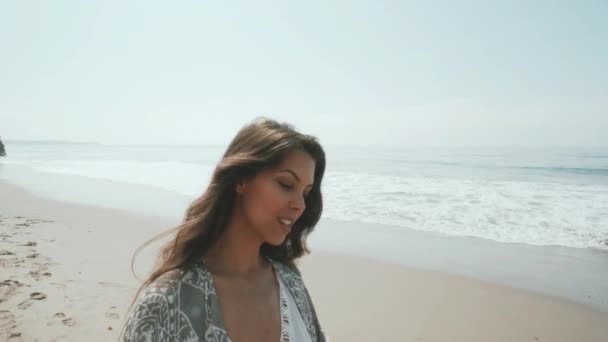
(182, 306)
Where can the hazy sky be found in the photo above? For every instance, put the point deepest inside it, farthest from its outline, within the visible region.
(350, 72)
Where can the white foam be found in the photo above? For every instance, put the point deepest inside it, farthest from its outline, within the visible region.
(508, 211)
(523, 207)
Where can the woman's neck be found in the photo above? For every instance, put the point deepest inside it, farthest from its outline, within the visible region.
(237, 252)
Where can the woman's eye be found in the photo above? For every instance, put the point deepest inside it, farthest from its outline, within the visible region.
(289, 188)
(285, 186)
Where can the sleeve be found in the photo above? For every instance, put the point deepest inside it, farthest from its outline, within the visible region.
(145, 322)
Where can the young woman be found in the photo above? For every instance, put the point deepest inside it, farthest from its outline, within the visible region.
(229, 274)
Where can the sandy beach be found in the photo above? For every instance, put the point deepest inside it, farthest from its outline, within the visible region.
(65, 276)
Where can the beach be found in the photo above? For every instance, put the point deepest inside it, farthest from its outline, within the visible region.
(66, 276)
(452, 156)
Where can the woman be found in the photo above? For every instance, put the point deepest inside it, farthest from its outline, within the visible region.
(229, 274)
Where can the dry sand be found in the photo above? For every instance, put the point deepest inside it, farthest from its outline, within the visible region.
(65, 276)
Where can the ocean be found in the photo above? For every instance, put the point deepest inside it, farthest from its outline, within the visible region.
(534, 196)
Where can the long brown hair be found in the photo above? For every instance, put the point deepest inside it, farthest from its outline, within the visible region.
(259, 145)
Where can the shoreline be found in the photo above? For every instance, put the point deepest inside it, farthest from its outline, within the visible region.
(577, 274)
(82, 269)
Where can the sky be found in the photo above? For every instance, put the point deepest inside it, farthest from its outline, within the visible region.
(407, 73)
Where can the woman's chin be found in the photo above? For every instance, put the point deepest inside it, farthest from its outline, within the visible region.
(276, 240)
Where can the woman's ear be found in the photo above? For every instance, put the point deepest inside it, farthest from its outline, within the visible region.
(240, 187)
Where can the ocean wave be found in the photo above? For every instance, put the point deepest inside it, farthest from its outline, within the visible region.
(566, 207)
(594, 157)
(573, 170)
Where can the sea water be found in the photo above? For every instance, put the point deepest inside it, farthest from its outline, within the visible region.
(536, 196)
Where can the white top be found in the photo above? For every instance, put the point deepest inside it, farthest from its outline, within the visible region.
(292, 325)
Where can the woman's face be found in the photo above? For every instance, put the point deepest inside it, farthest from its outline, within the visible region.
(273, 200)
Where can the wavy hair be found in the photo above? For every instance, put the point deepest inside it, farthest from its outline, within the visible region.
(259, 145)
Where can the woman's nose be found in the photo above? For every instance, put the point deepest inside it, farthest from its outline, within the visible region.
(298, 203)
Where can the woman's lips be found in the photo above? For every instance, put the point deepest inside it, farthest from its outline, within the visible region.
(285, 222)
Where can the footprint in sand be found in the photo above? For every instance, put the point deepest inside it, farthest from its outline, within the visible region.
(61, 317)
(109, 284)
(39, 269)
(34, 296)
(39, 273)
(7, 320)
(111, 314)
(8, 288)
(15, 337)
(7, 324)
(70, 322)
(38, 221)
(10, 282)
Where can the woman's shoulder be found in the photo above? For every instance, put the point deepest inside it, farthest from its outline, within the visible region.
(194, 275)
(179, 284)
(165, 283)
(151, 308)
(175, 297)
(159, 291)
